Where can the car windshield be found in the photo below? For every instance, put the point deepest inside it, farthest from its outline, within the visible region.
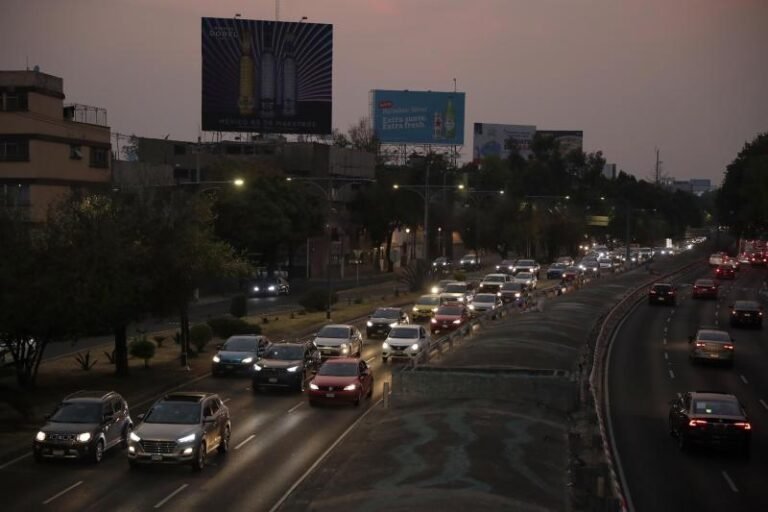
(716, 407)
(338, 370)
(526, 263)
(746, 305)
(449, 310)
(333, 332)
(662, 287)
(484, 297)
(386, 313)
(714, 336)
(524, 275)
(495, 279)
(557, 266)
(468, 257)
(241, 345)
(181, 413)
(572, 269)
(403, 332)
(512, 286)
(77, 412)
(456, 288)
(428, 301)
(284, 352)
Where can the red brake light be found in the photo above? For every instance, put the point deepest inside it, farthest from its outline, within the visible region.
(434, 321)
(696, 423)
(729, 347)
(653, 292)
(743, 424)
(699, 344)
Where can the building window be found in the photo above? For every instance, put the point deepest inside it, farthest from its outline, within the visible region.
(99, 158)
(12, 195)
(75, 152)
(13, 101)
(14, 149)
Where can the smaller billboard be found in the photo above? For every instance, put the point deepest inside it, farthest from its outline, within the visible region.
(500, 140)
(567, 139)
(418, 117)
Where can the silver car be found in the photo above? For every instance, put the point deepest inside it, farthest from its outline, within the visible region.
(339, 340)
(711, 345)
(527, 279)
(181, 428)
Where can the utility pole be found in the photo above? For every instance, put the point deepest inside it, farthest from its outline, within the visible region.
(658, 168)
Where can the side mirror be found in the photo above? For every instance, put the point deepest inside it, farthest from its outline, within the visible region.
(140, 417)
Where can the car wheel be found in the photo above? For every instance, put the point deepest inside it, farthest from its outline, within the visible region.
(98, 452)
(132, 465)
(300, 386)
(199, 463)
(255, 389)
(224, 446)
(312, 403)
(745, 451)
(359, 397)
(38, 457)
(370, 390)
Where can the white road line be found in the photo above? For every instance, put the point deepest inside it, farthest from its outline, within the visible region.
(666, 356)
(174, 493)
(295, 407)
(744, 379)
(226, 400)
(730, 482)
(370, 359)
(671, 374)
(665, 341)
(669, 319)
(762, 402)
(679, 395)
(62, 492)
(14, 461)
(245, 441)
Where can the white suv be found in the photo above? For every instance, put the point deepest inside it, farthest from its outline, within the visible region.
(406, 341)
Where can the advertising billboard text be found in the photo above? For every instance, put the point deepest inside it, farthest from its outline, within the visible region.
(418, 117)
(568, 140)
(499, 140)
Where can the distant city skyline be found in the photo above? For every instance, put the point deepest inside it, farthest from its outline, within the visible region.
(685, 76)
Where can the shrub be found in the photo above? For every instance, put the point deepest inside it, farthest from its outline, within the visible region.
(200, 335)
(316, 299)
(415, 276)
(225, 326)
(238, 307)
(141, 348)
(84, 361)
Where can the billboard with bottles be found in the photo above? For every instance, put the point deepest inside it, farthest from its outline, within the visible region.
(418, 117)
(266, 76)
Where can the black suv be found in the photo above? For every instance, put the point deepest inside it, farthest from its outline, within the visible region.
(383, 319)
(747, 313)
(83, 426)
(710, 418)
(286, 365)
(662, 293)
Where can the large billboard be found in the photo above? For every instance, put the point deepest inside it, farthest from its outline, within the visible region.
(567, 139)
(267, 76)
(418, 117)
(500, 140)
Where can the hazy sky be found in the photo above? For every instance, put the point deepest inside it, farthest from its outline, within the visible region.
(687, 76)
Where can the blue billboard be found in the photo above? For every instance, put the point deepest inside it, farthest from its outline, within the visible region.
(266, 76)
(418, 117)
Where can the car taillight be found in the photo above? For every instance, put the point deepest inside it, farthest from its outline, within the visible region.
(729, 347)
(699, 344)
(696, 423)
(653, 292)
(743, 424)
(434, 320)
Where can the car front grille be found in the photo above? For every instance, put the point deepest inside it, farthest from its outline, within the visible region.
(272, 372)
(58, 436)
(158, 446)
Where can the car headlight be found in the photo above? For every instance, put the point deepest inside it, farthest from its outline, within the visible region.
(247, 360)
(457, 321)
(369, 323)
(271, 288)
(351, 387)
(292, 369)
(314, 386)
(344, 348)
(385, 345)
(133, 437)
(434, 289)
(434, 310)
(415, 346)
(415, 309)
(216, 359)
(255, 288)
(460, 299)
(84, 437)
(517, 295)
(256, 367)
(40, 436)
(186, 439)
(393, 324)
(433, 320)
(471, 306)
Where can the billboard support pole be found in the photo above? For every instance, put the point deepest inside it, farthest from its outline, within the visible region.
(426, 212)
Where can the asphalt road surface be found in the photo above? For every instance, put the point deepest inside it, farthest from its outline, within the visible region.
(649, 366)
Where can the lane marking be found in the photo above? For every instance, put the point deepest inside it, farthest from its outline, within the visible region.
(762, 402)
(665, 330)
(671, 374)
(744, 379)
(322, 457)
(174, 493)
(247, 439)
(14, 461)
(665, 341)
(295, 407)
(669, 319)
(730, 482)
(370, 360)
(666, 356)
(62, 492)
(226, 400)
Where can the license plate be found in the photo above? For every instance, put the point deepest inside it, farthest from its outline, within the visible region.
(273, 379)
(157, 457)
(747, 315)
(662, 298)
(714, 356)
(58, 453)
(330, 395)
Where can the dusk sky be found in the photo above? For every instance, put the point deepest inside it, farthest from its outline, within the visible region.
(687, 76)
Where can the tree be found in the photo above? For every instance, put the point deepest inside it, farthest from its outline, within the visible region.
(741, 201)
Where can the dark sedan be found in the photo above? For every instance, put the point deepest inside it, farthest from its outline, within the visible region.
(513, 292)
(725, 272)
(286, 365)
(747, 313)
(704, 288)
(662, 293)
(269, 287)
(238, 354)
(556, 270)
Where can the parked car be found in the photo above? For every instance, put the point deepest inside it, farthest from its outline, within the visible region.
(704, 288)
(513, 292)
(710, 418)
(425, 307)
(662, 293)
(407, 342)
(286, 365)
(442, 265)
(458, 291)
(491, 283)
(343, 380)
(383, 319)
(506, 266)
(527, 279)
(449, 317)
(269, 287)
(711, 345)
(556, 270)
(725, 272)
(339, 340)
(470, 261)
(84, 426)
(747, 313)
(181, 428)
(484, 302)
(238, 353)
(527, 266)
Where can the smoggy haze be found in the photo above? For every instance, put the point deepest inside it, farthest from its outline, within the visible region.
(688, 76)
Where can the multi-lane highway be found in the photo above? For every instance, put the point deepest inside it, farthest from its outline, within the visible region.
(648, 366)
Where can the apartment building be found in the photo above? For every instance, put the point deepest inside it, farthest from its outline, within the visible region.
(47, 149)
